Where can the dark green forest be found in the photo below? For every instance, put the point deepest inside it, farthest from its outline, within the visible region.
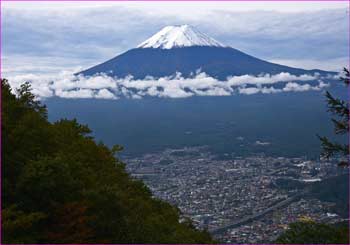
(60, 186)
(315, 233)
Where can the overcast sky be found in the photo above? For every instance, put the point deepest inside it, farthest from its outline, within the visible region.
(45, 38)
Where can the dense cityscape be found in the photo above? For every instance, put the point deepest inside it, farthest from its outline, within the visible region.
(239, 200)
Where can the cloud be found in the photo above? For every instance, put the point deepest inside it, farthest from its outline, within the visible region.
(255, 90)
(269, 79)
(258, 142)
(295, 87)
(67, 85)
(105, 94)
(289, 87)
(78, 93)
(318, 36)
(335, 64)
(44, 39)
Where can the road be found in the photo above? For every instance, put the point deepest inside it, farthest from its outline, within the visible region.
(250, 218)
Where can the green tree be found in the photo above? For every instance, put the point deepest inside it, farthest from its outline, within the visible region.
(59, 186)
(340, 109)
(315, 233)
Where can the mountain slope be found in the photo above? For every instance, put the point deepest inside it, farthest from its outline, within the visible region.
(217, 62)
(60, 186)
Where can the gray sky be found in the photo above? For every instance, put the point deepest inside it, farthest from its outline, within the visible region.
(43, 38)
(179, 7)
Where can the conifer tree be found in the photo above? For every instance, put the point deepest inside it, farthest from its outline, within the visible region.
(340, 110)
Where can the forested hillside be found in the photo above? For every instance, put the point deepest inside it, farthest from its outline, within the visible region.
(60, 186)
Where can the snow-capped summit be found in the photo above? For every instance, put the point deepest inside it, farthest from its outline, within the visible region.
(179, 36)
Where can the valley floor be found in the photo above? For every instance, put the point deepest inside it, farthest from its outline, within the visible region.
(238, 199)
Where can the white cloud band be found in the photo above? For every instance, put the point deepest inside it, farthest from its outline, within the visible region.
(66, 85)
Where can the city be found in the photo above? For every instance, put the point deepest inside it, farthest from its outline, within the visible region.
(238, 200)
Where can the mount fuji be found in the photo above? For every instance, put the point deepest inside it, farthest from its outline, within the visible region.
(287, 120)
(184, 49)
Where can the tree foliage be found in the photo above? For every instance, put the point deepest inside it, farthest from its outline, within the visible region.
(340, 110)
(59, 186)
(315, 233)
